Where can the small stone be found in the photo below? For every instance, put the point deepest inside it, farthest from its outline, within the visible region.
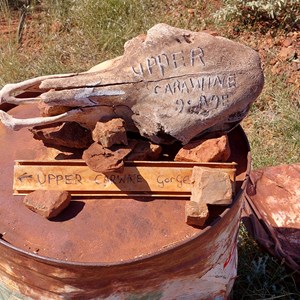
(110, 133)
(68, 134)
(195, 215)
(287, 53)
(191, 11)
(145, 150)
(47, 203)
(211, 186)
(273, 61)
(56, 27)
(287, 42)
(269, 41)
(210, 150)
(105, 160)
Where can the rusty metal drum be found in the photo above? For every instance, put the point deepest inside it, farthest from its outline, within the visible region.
(114, 248)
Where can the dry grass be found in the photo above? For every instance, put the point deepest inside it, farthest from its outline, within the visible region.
(273, 125)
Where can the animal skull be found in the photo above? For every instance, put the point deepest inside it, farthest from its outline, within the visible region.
(173, 84)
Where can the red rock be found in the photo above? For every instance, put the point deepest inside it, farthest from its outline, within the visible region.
(110, 133)
(287, 53)
(145, 150)
(47, 203)
(68, 134)
(273, 211)
(273, 61)
(269, 41)
(191, 11)
(210, 150)
(56, 27)
(195, 215)
(104, 160)
(211, 186)
(287, 42)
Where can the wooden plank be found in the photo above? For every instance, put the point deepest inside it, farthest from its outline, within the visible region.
(159, 179)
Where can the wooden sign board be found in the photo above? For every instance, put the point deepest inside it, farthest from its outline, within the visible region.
(165, 179)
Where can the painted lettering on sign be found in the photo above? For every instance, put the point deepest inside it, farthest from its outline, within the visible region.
(148, 177)
(100, 181)
(178, 180)
(58, 179)
(119, 179)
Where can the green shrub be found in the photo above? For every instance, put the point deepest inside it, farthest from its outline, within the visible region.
(276, 13)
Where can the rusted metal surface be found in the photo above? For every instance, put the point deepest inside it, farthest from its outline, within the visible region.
(111, 249)
(272, 212)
